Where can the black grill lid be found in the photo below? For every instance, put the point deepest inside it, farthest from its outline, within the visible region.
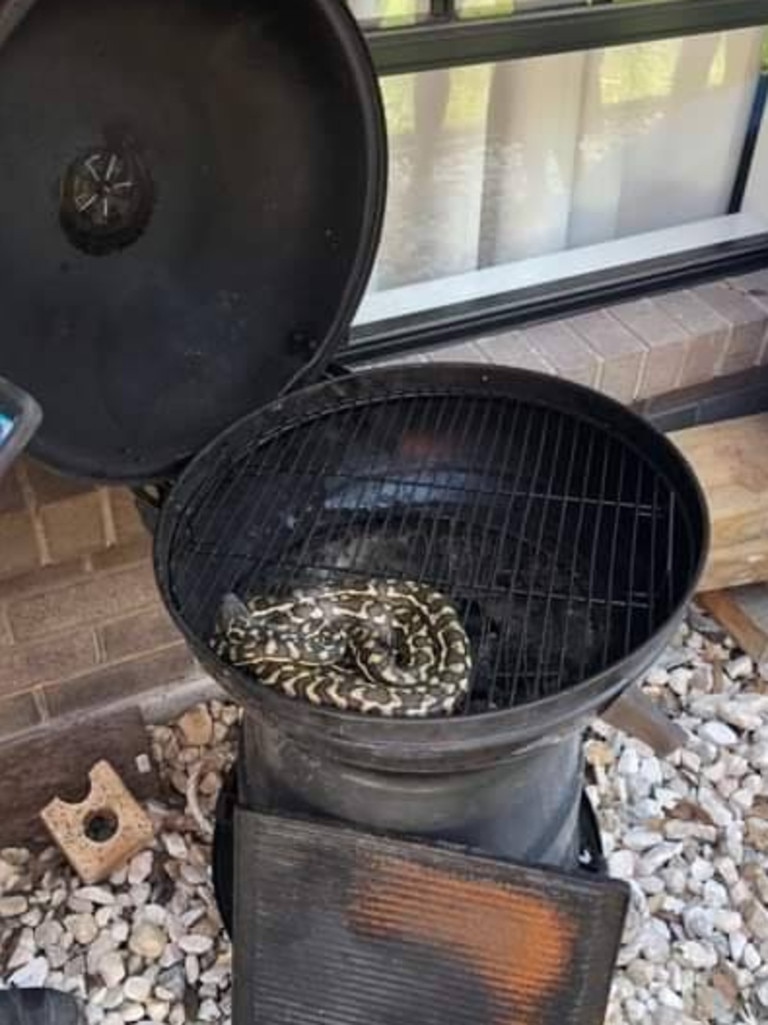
(192, 193)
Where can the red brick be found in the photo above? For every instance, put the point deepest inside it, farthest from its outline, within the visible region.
(128, 524)
(663, 337)
(46, 578)
(136, 634)
(98, 597)
(511, 350)
(18, 713)
(464, 352)
(747, 319)
(11, 495)
(73, 526)
(121, 682)
(562, 348)
(138, 550)
(24, 665)
(622, 353)
(18, 545)
(50, 486)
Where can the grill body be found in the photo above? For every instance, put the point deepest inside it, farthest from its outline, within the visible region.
(568, 533)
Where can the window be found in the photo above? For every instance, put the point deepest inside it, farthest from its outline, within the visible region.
(560, 175)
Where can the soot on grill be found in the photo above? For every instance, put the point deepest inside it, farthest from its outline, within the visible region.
(561, 542)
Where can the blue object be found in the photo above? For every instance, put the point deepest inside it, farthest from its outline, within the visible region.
(6, 426)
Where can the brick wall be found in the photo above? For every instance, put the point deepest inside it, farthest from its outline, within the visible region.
(81, 621)
(639, 350)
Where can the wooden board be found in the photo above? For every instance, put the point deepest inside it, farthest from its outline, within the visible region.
(731, 461)
(54, 761)
(743, 611)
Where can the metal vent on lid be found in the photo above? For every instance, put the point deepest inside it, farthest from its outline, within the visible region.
(195, 191)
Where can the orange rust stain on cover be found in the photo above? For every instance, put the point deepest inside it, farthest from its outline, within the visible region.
(518, 943)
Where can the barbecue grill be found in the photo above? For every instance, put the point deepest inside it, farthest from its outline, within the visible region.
(568, 533)
(198, 197)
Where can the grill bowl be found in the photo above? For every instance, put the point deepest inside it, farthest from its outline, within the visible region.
(569, 533)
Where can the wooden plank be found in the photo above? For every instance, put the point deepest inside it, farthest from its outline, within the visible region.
(54, 761)
(743, 612)
(736, 565)
(731, 461)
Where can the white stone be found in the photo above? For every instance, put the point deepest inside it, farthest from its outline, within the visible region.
(698, 922)
(654, 943)
(216, 975)
(727, 921)
(83, 927)
(119, 876)
(79, 906)
(158, 1010)
(679, 680)
(737, 941)
(657, 676)
(137, 989)
(715, 807)
(629, 762)
(674, 879)
(95, 894)
(18, 857)
(196, 726)
(111, 968)
(751, 957)
(140, 868)
(668, 998)
(209, 1011)
(740, 667)
(175, 846)
(119, 931)
(635, 1012)
(102, 945)
(140, 894)
(103, 916)
(148, 940)
(756, 918)
(171, 984)
(758, 755)
(719, 733)
(154, 913)
(676, 829)
(177, 1015)
(131, 1012)
(32, 975)
(195, 943)
(650, 862)
(715, 894)
(726, 867)
(698, 955)
(193, 874)
(11, 907)
(192, 969)
(641, 839)
(621, 864)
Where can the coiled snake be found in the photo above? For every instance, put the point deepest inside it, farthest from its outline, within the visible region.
(390, 647)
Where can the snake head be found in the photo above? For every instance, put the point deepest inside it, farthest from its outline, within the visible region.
(231, 610)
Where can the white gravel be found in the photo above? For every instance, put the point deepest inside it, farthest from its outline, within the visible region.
(148, 945)
(689, 834)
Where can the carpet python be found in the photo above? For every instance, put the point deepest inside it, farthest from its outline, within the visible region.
(389, 647)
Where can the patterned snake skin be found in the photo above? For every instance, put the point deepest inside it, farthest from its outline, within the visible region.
(391, 647)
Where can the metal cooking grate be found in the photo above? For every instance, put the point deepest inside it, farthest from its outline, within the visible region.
(561, 545)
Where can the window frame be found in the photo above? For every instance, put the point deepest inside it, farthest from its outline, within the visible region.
(443, 40)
